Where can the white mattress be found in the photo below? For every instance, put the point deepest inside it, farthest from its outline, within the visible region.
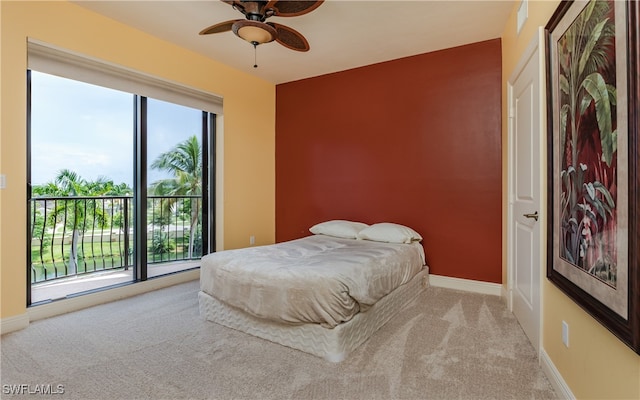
(315, 279)
(332, 344)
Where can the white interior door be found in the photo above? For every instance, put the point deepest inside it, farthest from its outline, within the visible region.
(524, 193)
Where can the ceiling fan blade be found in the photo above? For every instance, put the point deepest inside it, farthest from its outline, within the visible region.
(218, 28)
(290, 38)
(286, 8)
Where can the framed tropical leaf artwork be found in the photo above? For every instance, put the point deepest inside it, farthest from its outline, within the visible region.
(593, 156)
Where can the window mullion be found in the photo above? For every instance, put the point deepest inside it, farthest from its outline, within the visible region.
(140, 188)
(210, 178)
(205, 183)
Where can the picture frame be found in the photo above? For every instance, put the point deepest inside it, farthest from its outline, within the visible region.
(592, 68)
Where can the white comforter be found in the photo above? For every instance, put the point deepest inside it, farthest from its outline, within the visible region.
(316, 279)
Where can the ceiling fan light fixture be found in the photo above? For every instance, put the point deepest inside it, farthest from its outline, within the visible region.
(254, 32)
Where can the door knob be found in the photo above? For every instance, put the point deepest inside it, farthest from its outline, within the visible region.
(534, 215)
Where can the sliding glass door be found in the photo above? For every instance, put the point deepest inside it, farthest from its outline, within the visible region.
(174, 191)
(117, 187)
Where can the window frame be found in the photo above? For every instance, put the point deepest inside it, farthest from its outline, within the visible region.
(47, 59)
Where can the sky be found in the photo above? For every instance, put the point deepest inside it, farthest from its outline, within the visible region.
(89, 129)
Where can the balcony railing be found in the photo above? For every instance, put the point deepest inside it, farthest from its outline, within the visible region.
(80, 235)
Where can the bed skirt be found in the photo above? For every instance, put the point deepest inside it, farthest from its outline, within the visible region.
(331, 344)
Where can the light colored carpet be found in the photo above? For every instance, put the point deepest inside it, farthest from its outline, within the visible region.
(445, 345)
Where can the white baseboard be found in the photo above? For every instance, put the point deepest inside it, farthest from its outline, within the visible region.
(467, 285)
(554, 376)
(14, 323)
(504, 292)
(64, 306)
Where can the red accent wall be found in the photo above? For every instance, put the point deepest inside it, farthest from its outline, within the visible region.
(415, 141)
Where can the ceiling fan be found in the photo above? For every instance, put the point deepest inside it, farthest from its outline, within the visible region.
(256, 31)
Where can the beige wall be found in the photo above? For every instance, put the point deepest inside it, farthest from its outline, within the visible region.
(596, 365)
(249, 142)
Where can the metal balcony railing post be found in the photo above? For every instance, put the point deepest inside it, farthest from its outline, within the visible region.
(126, 234)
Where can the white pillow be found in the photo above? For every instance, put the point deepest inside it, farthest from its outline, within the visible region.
(389, 232)
(338, 228)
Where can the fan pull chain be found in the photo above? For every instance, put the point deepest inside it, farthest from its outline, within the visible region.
(255, 55)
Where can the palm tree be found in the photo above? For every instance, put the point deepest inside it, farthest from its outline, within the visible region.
(72, 185)
(184, 161)
(74, 212)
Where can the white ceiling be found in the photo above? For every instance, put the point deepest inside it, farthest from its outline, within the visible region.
(341, 34)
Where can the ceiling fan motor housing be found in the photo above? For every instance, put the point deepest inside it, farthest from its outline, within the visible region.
(255, 30)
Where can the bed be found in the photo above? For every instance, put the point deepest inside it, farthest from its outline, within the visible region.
(323, 294)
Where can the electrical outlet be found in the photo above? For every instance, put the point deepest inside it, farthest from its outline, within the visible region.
(565, 333)
(252, 240)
